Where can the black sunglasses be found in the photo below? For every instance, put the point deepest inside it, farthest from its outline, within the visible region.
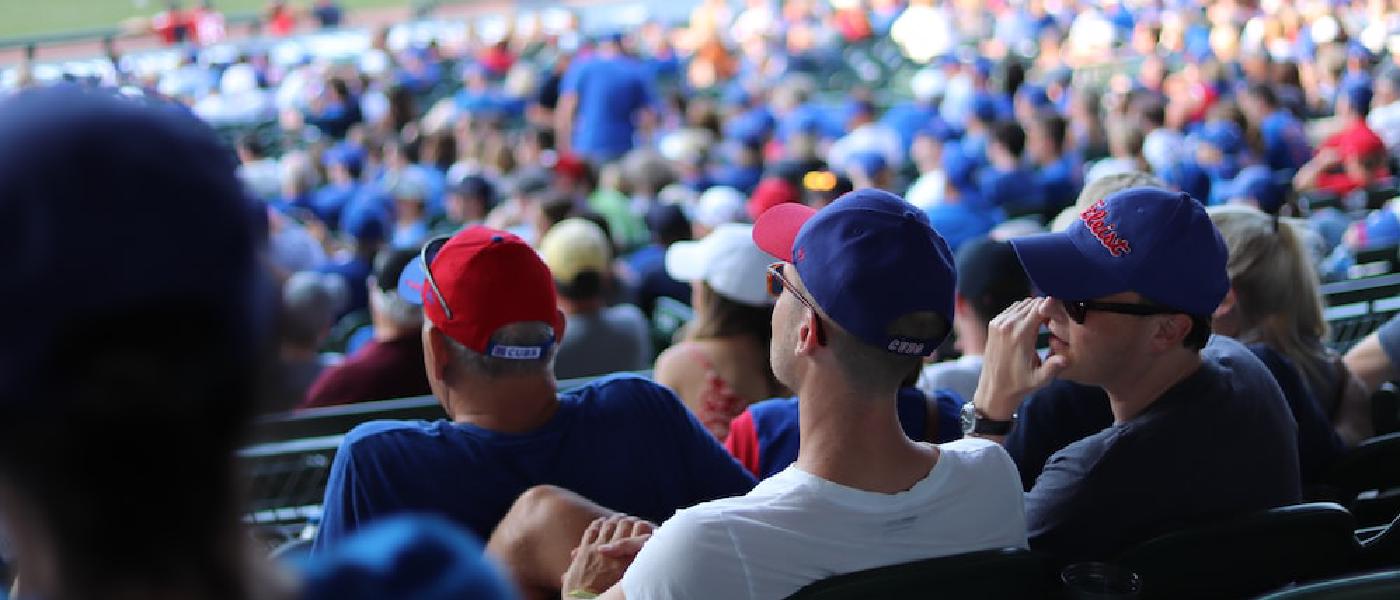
(427, 254)
(776, 283)
(1079, 309)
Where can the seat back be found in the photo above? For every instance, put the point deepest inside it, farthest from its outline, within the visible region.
(1366, 479)
(1247, 555)
(1371, 586)
(1004, 573)
(1383, 549)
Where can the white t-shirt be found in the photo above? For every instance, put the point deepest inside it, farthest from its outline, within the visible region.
(795, 529)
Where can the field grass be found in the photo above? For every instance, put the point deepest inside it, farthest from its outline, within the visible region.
(20, 18)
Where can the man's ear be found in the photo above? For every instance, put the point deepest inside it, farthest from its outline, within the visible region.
(1227, 305)
(563, 324)
(807, 335)
(1171, 332)
(438, 355)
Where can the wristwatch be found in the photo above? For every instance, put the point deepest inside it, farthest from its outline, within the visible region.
(974, 422)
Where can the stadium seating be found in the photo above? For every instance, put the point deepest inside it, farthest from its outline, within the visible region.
(1366, 478)
(1371, 586)
(1247, 555)
(990, 574)
(1357, 307)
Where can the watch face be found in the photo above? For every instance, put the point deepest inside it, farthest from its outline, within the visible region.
(969, 418)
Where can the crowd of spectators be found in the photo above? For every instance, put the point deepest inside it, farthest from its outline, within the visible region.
(799, 249)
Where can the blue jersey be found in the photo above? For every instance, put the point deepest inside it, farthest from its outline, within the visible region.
(622, 441)
(610, 91)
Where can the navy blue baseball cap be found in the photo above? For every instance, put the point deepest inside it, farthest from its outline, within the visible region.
(1224, 135)
(111, 205)
(868, 259)
(1155, 242)
(984, 107)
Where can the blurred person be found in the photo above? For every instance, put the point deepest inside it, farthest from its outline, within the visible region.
(344, 164)
(963, 215)
(1375, 360)
(466, 204)
(1384, 118)
(926, 152)
(172, 25)
(1274, 302)
(1088, 138)
(1057, 173)
(1285, 143)
(908, 118)
(869, 170)
(389, 366)
(207, 24)
(1163, 146)
(1131, 288)
(1006, 182)
(364, 232)
(328, 13)
(1351, 158)
(489, 340)
(717, 206)
(720, 367)
(258, 171)
(169, 345)
(1220, 154)
(334, 109)
(310, 303)
(855, 467)
(989, 280)
(279, 19)
(644, 271)
(604, 100)
(516, 211)
(410, 212)
(598, 339)
(1125, 142)
(865, 135)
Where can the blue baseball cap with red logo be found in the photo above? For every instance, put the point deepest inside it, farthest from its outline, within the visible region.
(868, 259)
(1155, 242)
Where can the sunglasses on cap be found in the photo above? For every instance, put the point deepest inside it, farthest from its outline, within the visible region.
(427, 254)
(1079, 309)
(776, 284)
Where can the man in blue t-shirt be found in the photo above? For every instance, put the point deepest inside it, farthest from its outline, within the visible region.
(1195, 437)
(489, 345)
(603, 100)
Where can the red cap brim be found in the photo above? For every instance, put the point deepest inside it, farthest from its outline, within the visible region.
(776, 229)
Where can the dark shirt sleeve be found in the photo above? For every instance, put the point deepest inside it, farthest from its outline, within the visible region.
(1051, 419)
(1063, 517)
(340, 508)
(1318, 444)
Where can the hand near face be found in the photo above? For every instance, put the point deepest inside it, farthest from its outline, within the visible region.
(1011, 368)
(608, 547)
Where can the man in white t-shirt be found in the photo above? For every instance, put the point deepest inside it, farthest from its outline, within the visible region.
(865, 290)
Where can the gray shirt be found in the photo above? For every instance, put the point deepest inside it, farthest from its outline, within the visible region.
(616, 339)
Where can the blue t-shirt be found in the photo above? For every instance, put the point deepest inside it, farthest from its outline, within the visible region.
(610, 91)
(960, 223)
(1220, 442)
(1017, 191)
(776, 431)
(622, 441)
(908, 119)
(330, 200)
(1060, 182)
(354, 272)
(1285, 143)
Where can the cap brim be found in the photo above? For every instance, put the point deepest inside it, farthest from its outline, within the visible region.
(776, 229)
(412, 281)
(1057, 268)
(685, 261)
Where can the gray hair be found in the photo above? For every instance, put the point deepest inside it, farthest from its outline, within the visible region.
(528, 333)
(401, 312)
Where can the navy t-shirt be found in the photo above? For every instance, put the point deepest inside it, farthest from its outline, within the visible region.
(1066, 412)
(610, 91)
(622, 441)
(1220, 442)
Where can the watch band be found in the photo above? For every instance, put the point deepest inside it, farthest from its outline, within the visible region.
(984, 426)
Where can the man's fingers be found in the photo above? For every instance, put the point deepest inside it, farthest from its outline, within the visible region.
(624, 549)
(590, 535)
(640, 527)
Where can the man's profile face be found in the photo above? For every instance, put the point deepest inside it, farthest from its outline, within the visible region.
(788, 315)
(1105, 345)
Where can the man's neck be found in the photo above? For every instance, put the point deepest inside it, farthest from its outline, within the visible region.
(517, 404)
(1132, 394)
(854, 438)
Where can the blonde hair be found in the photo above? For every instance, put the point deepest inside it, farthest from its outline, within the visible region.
(1101, 188)
(1276, 288)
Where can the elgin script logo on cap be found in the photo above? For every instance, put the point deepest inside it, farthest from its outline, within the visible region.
(1095, 218)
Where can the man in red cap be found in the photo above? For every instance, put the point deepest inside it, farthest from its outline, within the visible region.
(490, 336)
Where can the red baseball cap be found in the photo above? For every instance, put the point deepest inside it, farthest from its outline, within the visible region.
(481, 280)
(769, 193)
